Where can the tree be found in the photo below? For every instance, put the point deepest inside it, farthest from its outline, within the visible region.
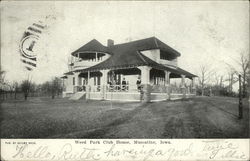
(204, 77)
(52, 87)
(231, 79)
(2, 75)
(244, 63)
(15, 87)
(56, 87)
(25, 87)
(243, 70)
(2, 83)
(45, 88)
(221, 81)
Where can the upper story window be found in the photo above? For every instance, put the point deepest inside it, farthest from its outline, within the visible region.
(164, 57)
(167, 56)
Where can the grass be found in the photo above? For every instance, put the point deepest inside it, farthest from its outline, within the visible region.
(201, 117)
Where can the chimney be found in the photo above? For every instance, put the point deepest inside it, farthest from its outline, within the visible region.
(110, 42)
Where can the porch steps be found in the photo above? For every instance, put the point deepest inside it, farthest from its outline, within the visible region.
(78, 95)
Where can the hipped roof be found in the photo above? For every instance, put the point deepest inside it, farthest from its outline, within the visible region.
(128, 55)
(138, 45)
(93, 46)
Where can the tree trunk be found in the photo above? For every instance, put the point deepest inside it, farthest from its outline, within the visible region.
(25, 97)
(244, 92)
(202, 89)
(53, 95)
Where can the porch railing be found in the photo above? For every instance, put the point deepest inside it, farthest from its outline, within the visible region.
(83, 88)
(122, 88)
(159, 89)
(175, 90)
(134, 88)
(118, 88)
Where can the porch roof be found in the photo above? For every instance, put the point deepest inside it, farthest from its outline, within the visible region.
(138, 60)
(172, 69)
(69, 73)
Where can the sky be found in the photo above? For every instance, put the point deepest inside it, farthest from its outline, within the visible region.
(210, 33)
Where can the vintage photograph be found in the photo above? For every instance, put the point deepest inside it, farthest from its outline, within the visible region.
(124, 69)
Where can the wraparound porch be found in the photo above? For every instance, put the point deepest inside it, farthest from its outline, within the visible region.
(121, 84)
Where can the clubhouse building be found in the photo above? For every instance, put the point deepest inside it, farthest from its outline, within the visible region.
(134, 71)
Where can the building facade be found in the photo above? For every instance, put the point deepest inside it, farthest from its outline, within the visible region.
(134, 71)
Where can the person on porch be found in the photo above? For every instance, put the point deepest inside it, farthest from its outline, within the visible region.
(124, 84)
(138, 83)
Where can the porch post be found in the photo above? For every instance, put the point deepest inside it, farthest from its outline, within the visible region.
(167, 78)
(167, 83)
(88, 78)
(76, 75)
(145, 74)
(88, 87)
(193, 86)
(183, 88)
(145, 81)
(104, 82)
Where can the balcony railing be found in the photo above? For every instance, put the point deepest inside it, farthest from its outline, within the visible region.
(84, 64)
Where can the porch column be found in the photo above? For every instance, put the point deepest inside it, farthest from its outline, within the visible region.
(145, 81)
(167, 83)
(183, 89)
(145, 74)
(76, 75)
(88, 77)
(104, 82)
(167, 77)
(193, 86)
(88, 88)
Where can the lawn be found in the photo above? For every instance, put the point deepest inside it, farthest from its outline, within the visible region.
(200, 117)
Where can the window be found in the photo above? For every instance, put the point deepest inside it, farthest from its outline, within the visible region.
(167, 56)
(164, 57)
(73, 81)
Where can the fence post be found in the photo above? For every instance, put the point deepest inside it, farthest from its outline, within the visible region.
(240, 100)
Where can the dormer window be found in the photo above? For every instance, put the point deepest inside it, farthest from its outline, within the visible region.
(164, 57)
(167, 56)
